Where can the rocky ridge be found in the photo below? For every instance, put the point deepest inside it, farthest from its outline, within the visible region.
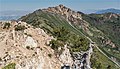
(73, 17)
(28, 48)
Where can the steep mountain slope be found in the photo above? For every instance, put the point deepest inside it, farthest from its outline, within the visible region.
(109, 24)
(70, 27)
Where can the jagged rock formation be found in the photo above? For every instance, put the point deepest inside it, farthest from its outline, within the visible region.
(82, 59)
(65, 57)
(73, 17)
(67, 12)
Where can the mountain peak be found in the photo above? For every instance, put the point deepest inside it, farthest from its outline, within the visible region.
(64, 11)
(61, 5)
(57, 8)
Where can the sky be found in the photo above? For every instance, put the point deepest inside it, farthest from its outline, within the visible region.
(79, 5)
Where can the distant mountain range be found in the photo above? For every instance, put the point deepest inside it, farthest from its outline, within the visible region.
(112, 10)
(10, 15)
(2, 18)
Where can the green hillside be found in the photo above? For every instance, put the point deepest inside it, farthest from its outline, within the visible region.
(109, 25)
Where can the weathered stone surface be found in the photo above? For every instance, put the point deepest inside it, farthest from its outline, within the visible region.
(66, 57)
(13, 48)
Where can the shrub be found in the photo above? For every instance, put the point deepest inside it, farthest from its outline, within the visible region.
(55, 44)
(78, 43)
(50, 55)
(10, 66)
(7, 25)
(27, 47)
(61, 33)
(20, 28)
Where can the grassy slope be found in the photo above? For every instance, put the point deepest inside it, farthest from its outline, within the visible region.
(110, 29)
(52, 20)
(101, 62)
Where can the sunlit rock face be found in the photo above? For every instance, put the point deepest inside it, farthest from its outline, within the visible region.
(30, 42)
(65, 57)
(67, 12)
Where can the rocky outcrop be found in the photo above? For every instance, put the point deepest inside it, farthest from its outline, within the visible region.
(71, 16)
(62, 10)
(82, 59)
(66, 57)
(27, 48)
(107, 41)
(67, 13)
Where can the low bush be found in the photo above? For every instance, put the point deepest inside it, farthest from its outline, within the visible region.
(50, 55)
(55, 44)
(10, 66)
(20, 28)
(28, 47)
(6, 25)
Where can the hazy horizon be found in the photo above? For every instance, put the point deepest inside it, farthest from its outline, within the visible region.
(78, 5)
